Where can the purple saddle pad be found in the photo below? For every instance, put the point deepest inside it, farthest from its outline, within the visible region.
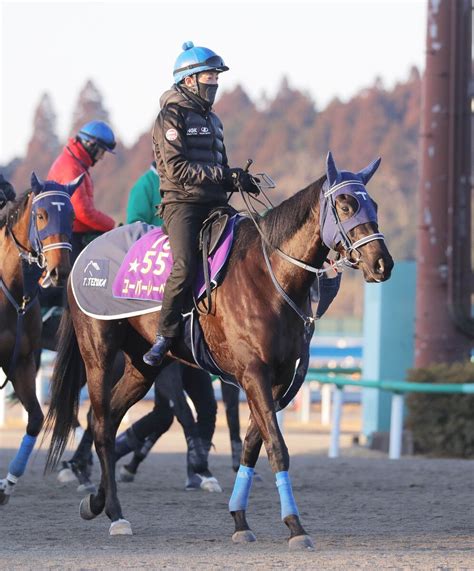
(147, 265)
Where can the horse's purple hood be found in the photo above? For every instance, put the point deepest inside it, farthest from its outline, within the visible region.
(345, 182)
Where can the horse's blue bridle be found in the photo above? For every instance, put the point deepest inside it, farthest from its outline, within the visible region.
(59, 209)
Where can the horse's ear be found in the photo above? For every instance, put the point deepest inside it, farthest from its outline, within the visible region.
(71, 186)
(367, 173)
(36, 183)
(332, 173)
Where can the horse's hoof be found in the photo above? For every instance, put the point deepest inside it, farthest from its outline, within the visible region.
(85, 510)
(210, 485)
(4, 498)
(301, 543)
(125, 475)
(120, 527)
(66, 476)
(87, 488)
(245, 536)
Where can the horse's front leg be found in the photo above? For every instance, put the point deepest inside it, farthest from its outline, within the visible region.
(238, 502)
(257, 382)
(25, 388)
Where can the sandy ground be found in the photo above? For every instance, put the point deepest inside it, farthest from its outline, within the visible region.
(362, 510)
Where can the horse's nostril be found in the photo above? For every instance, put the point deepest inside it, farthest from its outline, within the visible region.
(380, 266)
(54, 274)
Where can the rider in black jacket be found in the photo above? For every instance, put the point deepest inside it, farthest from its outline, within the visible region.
(195, 176)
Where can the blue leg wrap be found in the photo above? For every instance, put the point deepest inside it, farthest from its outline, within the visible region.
(240, 494)
(288, 504)
(18, 464)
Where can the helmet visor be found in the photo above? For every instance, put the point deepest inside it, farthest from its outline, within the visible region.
(107, 146)
(213, 62)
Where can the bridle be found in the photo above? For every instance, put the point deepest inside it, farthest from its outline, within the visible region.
(53, 201)
(331, 225)
(334, 230)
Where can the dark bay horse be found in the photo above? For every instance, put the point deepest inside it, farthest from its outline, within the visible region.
(258, 330)
(35, 231)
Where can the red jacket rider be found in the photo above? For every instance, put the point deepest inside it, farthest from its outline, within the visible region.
(81, 153)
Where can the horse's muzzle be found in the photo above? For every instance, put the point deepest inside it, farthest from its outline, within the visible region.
(380, 271)
(58, 277)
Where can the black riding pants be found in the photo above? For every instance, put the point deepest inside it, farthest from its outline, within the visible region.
(183, 222)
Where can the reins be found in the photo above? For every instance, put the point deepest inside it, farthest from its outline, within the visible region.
(339, 264)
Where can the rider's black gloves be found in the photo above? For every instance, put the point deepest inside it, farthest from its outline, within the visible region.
(237, 179)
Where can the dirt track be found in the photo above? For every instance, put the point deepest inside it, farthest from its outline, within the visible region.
(362, 512)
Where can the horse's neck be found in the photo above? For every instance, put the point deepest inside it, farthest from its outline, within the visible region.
(305, 245)
(305, 248)
(10, 261)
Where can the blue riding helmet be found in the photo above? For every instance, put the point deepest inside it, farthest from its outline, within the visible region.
(100, 133)
(195, 59)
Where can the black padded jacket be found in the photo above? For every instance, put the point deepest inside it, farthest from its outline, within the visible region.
(188, 142)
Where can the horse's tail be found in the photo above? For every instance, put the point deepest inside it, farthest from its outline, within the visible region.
(66, 383)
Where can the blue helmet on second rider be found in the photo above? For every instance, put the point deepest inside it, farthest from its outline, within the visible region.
(195, 59)
(99, 133)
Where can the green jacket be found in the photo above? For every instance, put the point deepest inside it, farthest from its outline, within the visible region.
(143, 199)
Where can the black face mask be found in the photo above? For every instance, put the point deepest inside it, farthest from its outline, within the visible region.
(207, 92)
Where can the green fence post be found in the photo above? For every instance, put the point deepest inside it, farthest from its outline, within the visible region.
(388, 350)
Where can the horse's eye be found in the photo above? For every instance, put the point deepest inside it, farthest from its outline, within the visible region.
(40, 216)
(345, 209)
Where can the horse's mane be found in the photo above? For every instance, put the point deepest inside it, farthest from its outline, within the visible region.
(280, 223)
(13, 210)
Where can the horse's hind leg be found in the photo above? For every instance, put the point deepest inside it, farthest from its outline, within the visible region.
(25, 389)
(78, 468)
(80, 465)
(130, 388)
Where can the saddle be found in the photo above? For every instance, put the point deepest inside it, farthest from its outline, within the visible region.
(211, 231)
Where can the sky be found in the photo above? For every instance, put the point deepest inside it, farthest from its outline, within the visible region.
(328, 49)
